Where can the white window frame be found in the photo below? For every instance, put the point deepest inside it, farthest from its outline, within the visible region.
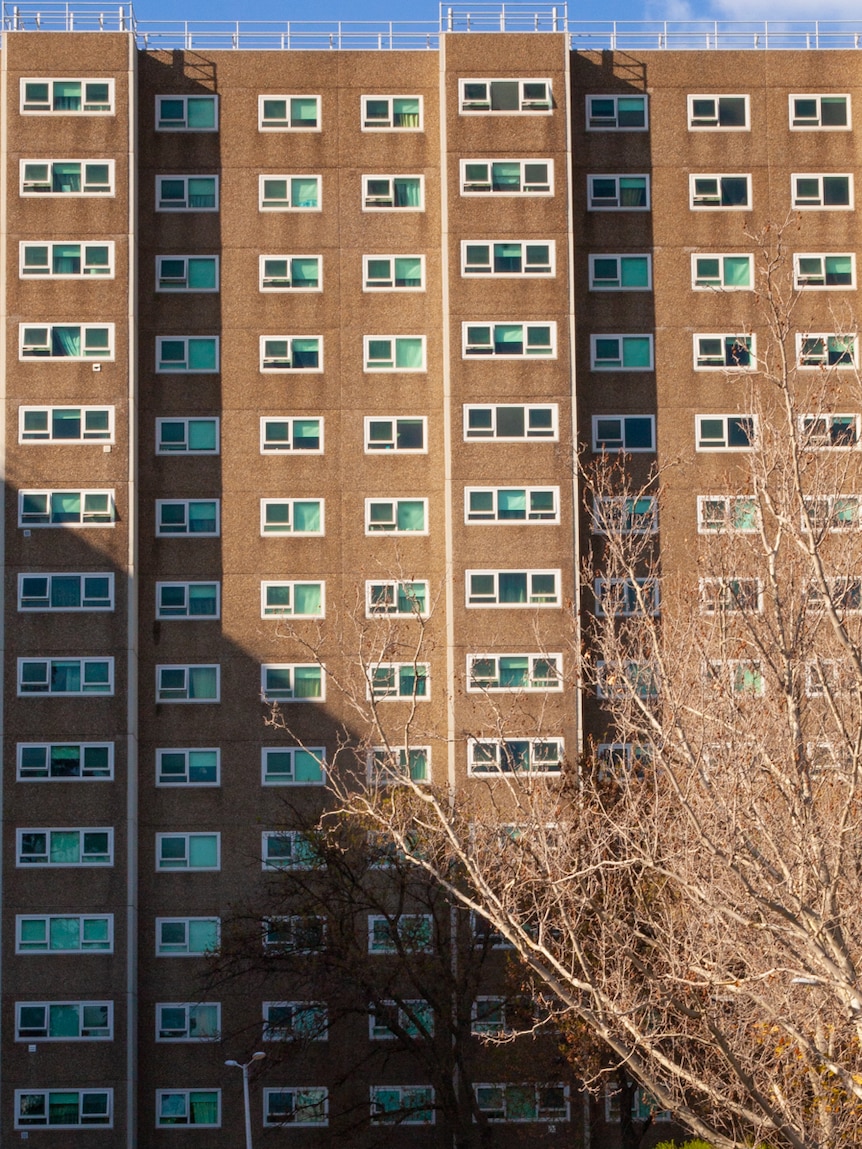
(170, 206)
(290, 285)
(264, 503)
(377, 1032)
(284, 205)
(185, 921)
(172, 367)
(265, 370)
(106, 436)
(602, 124)
(267, 611)
(624, 515)
(730, 594)
(524, 244)
(287, 124)
(479, 1025)
(828, 676)
(393, 765)
(551, 684)
(186, 587)
(396, 922)
(106, 947)
(370, 366)
(746, 341)
(21, 862)
(725, 444)
(108, 1006)
(391, 589)
(391, 126)
(631, 679)
(474, 770)
(85, 774)
(290, 420)
(704, 526)
(418, 672)
(394, 530)
(619, 257)
(818, 125)
(720, 284)
(83, 111)
(546, 436)
(185, 866)
(717, 126)
(803, 336)
(719, 669)
(161, 1123)
(309, 1096)
(627, 593)
(187, 667)
(541, 518)
(293, 923)
(476, 351)
(821, 206)
(82, 576)
(603, 203)
(26, 1123)
(485, 187)
(374, 202)
(367, 260)
(394, 449)
(300, 843)
(528, 605)
(527, 105)
(84, 273)
(826, 430)
(186, 751)
(542, 1115)
(407, 1105)
(107, 692)
(183, 285)
(616, 760)
(106, 191)
(287, 695)
(719, 176)
(189, 1009)
(187, 421)
(183, 126)
(286, 1029)
(801, 281)
(601, 448)
(597, 364)
(843, 504)
(269, 779)
(30, 352)
(161, 533)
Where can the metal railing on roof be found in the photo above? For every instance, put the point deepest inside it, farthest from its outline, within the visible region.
(480, 17)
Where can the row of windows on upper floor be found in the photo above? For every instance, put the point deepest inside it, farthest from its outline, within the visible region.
(710, 271)
(515, 177)
(621, 112)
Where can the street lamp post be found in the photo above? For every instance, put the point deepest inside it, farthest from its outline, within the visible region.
(245, 1068)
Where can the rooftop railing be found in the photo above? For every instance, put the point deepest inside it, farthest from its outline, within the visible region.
(584, 35)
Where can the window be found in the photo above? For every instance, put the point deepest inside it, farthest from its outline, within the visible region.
(399, 680)
(392, 113)
(725, 432)
(291, 516)
(717, 272)
(396, 597)
(832, 512)
(66, 341)
(396, 516)
(632, 433)
(508, 258)
(292, 599)
(617, 113)
(488, 1015)
(65, 847)
(288, 113)
(190, 600)
(824, 271)
(618, 193)
(742, 676)
(191, 436)
(827, 350)
(291, 433)
(843, 591)
(187, 937)
(620, 272)
(628, 679)
(65, 425)
(187, 683)
(723, 595)
(292, 682)
(511, 424)
(621, 353)
(523, 1102)
(60, 259)
(64, 762)
(825, 191)
(508, 96)
(188, 851)
(625, 514)
(828, 113)
(709, 191)
(402, 435)
(181, 767)
(186, 113)
(412, 933)
(293, 765)
(402, 192)
(402, 1105)
(727, 513)
(724, 352)
(289, 850)
(186, 193)
(507, 177)
(62, 591)
(63, 933)
(64, 1020)
(393, 273)
(300, 934)
(828, 677)
(392, 765)
(393, 353)
(625, 597)
(67, 177)
(65, 676)
(289, 193)
(511, 504)
(643, 1107)
(91, 97)
(291, 353)
(198, 1107)
(63, 1108)
(728, 113)
(513, 588)
(194, 354)
(835, 432)
(291, 273)
(514, 755)
(295, 1021)
(176, 1021)
(187, 273)
(296, 1106)
(493, 672)
(187, 517)
(389, 1019)
(509, 340)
